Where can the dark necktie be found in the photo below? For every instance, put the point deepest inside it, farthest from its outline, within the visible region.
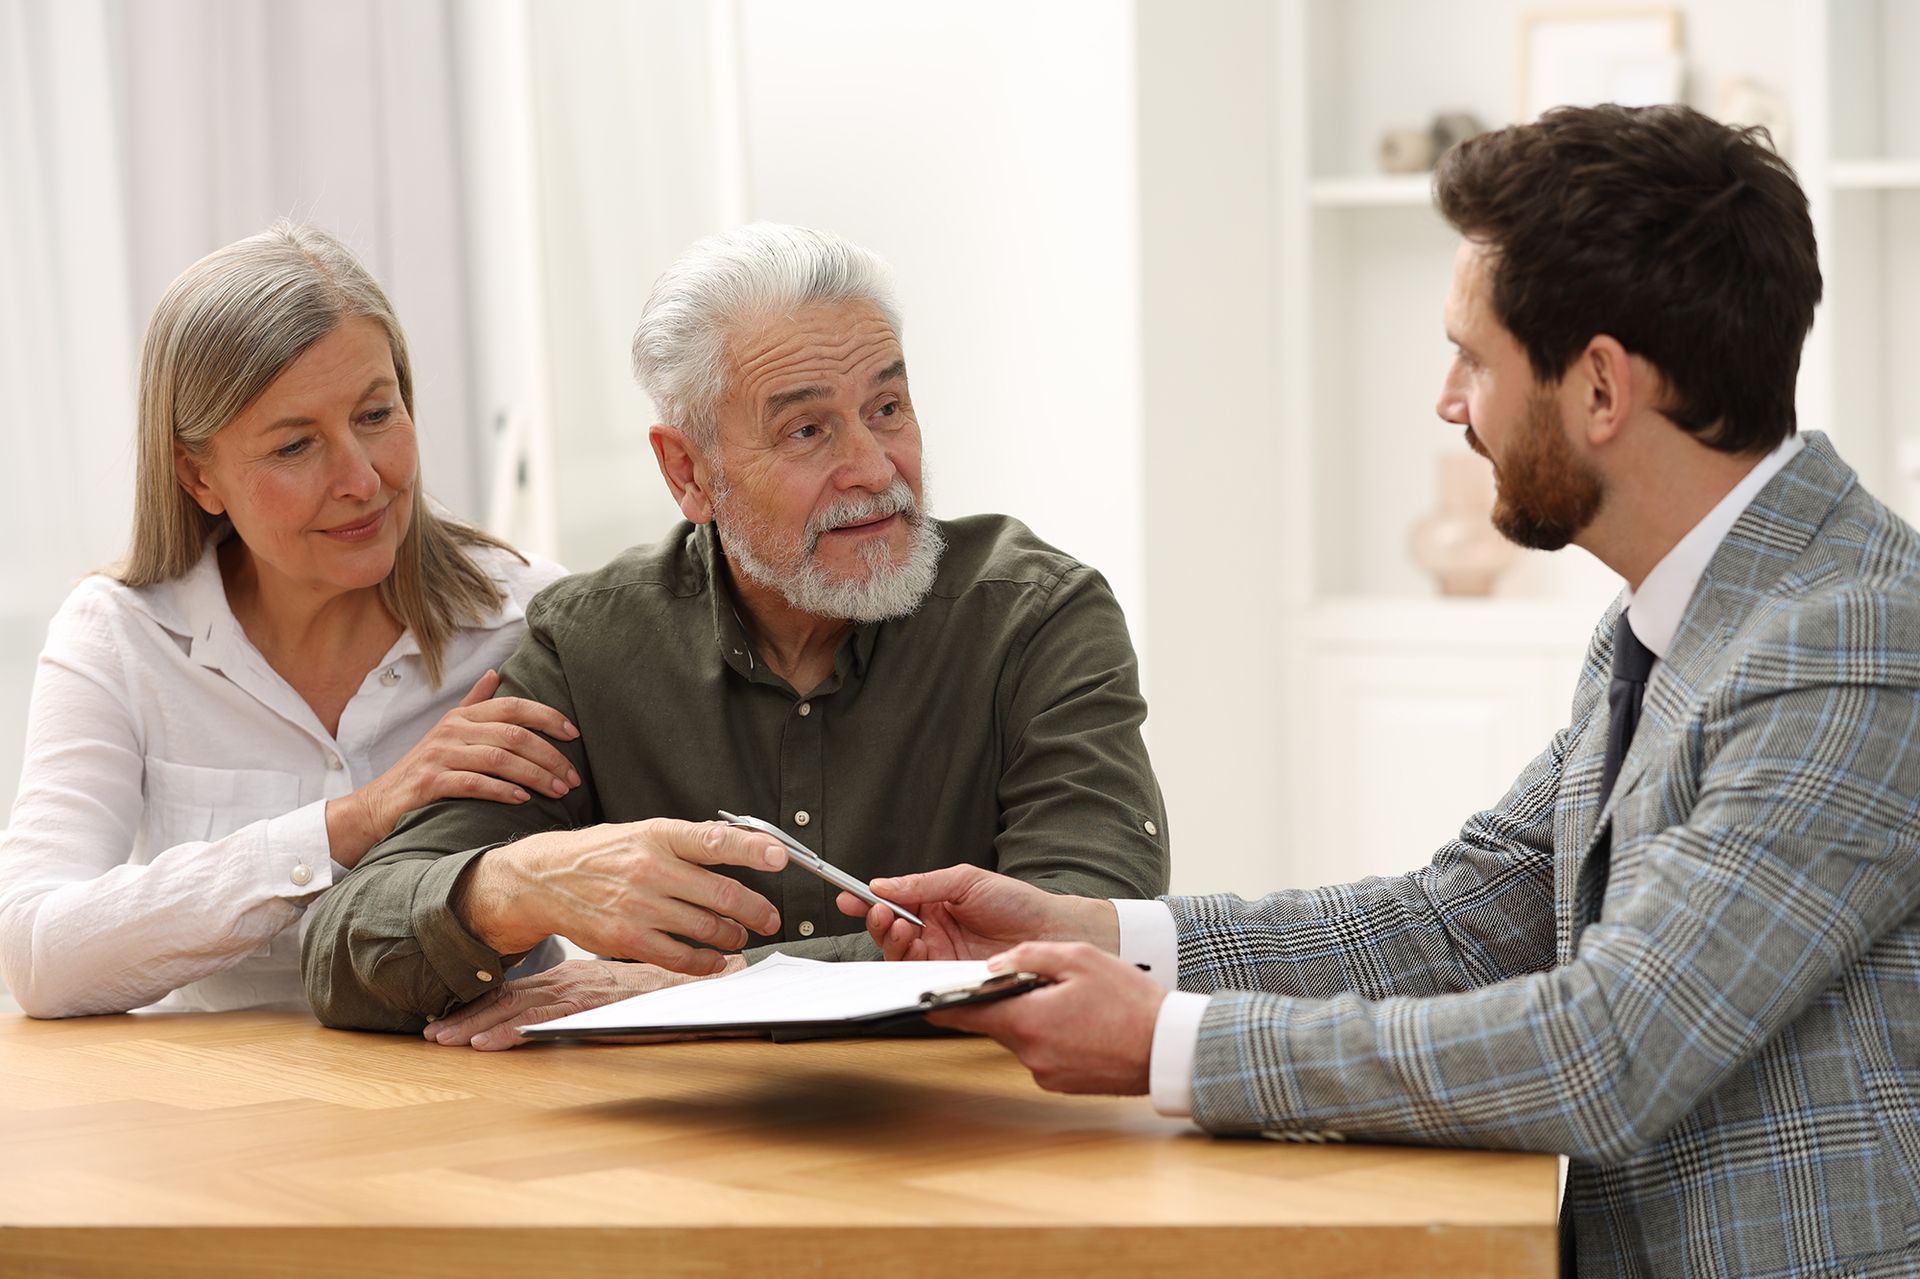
(1632, 663)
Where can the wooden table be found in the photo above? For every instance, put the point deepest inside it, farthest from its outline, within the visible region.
(249, 1143)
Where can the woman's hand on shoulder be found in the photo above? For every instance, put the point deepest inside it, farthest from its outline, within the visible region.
(487, 747)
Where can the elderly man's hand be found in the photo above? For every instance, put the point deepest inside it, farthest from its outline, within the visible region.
(1090, 1031)
(629, 890)
(489, 1022)
(974, 914)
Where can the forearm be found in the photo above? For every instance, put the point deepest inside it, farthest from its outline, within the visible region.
(1466, 922)
(353, 827)
(389, 948)
(128, 936)
(1480, 912)
(385, 951)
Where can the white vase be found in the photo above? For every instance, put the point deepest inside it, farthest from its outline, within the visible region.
(1456, 541)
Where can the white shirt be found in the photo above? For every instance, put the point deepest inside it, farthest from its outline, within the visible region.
(170, 827)
(1147, 933)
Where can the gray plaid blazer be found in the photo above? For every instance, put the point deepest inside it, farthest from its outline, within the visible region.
(1724, 1031)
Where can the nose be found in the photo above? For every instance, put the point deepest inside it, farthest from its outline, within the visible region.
(355, 478)
(1452, 405)
(863, 463)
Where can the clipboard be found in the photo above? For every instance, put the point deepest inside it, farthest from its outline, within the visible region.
(872, 1003)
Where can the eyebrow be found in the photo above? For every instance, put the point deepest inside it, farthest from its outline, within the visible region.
(296, 420)
(778, 404)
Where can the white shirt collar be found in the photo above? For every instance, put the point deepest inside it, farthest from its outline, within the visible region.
(1656, 608)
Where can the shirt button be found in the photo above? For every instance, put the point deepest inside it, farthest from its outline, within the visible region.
(302, 875)
(333, 762)
(1149, 827)
(802, 817)
(804, 709)
(806, 928)
(390, 677)
(482, 974)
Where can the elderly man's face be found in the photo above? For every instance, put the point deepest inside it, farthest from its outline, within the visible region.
(816, 485)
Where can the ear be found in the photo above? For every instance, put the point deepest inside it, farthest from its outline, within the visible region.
(1603, 383)
(684, 468)
(193, 478)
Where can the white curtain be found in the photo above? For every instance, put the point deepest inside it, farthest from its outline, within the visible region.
(135, 138)
(66, 311)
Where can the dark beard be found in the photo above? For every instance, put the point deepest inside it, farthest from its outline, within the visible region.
(1546, 494)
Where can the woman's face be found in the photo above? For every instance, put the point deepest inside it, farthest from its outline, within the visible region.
(317, 473)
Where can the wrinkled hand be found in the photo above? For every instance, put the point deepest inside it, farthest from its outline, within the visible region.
(487, 747)
(974, 914)
(1091, 1031)
(489, 1022)
(630, 890)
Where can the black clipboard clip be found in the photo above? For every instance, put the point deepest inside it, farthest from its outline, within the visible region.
(998, 986)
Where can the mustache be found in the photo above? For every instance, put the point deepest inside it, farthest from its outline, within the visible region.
(895, 499)
(1473, 442)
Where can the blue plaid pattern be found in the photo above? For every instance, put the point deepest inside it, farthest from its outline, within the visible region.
(1724, 1032)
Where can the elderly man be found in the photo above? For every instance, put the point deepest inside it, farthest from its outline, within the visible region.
(810, 646)
(1682, 950)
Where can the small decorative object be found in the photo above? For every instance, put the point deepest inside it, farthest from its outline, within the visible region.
(1450, 127)
(1744, 100)
(1456, 541)
(1406, 151)
(1582, 57)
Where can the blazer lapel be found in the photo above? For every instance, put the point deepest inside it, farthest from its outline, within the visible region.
(1758, 552)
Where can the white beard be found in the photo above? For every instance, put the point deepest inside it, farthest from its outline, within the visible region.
(888, 589)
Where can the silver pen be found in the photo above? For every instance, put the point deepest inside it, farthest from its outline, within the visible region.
(820, 866)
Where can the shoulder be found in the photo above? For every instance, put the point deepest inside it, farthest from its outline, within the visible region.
(103, 608)
(997, 552)
(520, 575)
(673, 568)
(114, 635)
(1848, 609)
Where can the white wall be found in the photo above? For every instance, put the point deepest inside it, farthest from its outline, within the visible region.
(1214, 533)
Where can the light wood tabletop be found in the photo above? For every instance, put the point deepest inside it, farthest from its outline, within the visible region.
(260, 1143)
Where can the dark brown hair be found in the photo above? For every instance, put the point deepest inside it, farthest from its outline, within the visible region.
(1686, 240)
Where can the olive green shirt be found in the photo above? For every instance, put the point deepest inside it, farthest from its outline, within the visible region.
(999, 725)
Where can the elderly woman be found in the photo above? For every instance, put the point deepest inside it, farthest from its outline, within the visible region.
(297, 650)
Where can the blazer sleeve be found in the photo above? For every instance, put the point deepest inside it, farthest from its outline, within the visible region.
(82, 929)
(1480, 912)
(1793, 845)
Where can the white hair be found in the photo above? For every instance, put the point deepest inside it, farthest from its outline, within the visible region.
(728, 282)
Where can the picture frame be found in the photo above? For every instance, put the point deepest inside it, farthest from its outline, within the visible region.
(1585, 56)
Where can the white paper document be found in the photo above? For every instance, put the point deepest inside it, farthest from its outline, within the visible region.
(778, 991)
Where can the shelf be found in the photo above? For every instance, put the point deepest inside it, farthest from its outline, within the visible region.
(1374, 191)
(1875, 175)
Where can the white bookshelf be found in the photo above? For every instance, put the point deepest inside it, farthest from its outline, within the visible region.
(1458, 694)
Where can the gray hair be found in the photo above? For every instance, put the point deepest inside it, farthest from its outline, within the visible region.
(726, 283)
(225, 329)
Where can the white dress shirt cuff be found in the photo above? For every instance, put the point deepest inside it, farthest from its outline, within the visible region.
(298, 862)
(1175, 1035)
(1148, 939)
